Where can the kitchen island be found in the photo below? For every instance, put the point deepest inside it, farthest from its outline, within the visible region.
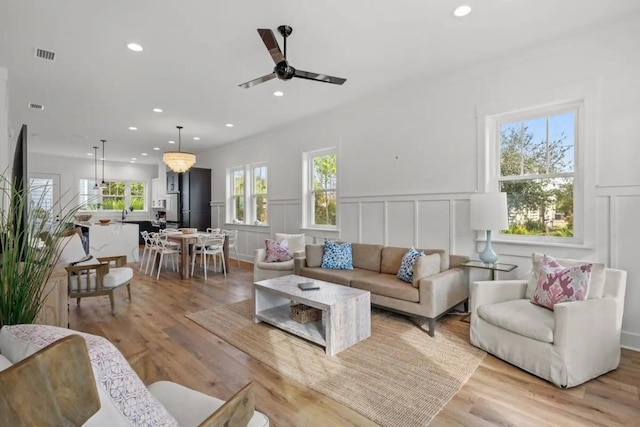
(113, 239)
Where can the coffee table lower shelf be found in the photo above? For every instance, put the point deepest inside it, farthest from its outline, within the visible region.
(280, 317)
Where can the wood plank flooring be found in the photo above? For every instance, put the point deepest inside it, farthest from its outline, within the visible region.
(182, 351)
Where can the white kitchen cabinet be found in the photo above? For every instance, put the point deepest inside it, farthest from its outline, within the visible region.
(157, 196)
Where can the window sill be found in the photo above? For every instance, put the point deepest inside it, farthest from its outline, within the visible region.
(538, 243)
(320, 230)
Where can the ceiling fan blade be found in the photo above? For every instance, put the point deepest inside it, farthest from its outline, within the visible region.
(257, 81)
(272, 44)
(319, 77)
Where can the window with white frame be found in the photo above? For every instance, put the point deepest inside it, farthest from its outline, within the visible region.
(321, 188)
(259, 197)
(537, 168)
(247, 195)
(114, 196)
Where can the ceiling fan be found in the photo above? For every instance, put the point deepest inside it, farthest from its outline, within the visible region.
(283, 70)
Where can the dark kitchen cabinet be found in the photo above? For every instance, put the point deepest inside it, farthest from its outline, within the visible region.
(173, 182)
(195, 194)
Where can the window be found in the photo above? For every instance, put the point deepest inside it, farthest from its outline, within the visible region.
(537, 170)
(115, 196)
(237, 195)
(259, 196)
(321, 189)
(248, 201)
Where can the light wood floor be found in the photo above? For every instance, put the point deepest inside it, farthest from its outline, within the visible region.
(496, 394)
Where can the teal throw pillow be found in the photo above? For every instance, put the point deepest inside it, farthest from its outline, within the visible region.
(337, 256)
(406, 266)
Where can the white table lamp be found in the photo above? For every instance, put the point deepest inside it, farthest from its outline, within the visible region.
(489, 212)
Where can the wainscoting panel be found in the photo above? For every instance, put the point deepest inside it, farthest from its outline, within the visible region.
(292, 219)
(433, 225)
(277, 217)
(401, 223)
(625, 254)
(372, 222)
(603, 210)
(462, 236)
(350, 221)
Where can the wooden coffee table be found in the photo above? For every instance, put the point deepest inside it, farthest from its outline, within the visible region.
(346, 312)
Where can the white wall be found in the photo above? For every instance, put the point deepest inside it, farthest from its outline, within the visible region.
(408, 158)
(71, 170)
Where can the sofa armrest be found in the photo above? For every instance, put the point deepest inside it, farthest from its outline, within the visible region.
(457, 260)
(120, 260)
(298, 263)
(440, 292)
(258, 256)
(491, 292)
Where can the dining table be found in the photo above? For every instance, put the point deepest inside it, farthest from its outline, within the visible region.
(186, 240)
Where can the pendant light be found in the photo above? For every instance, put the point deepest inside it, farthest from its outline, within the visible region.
(104, 184)
(95, 168)
(179, 161)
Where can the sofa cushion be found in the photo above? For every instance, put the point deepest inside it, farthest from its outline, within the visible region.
(558, 284)
(596, 284)
(340, 277)
(117, 276)
(387, 285)
(276, 251)
(391, 259)
(520, 317)
(367, 256)
(444, 258)
(124, 399)
(313, 255)
(426, 266)
(295, 242)
(191, 407)
(405, 272)
(337, 256)
(70, 249)
(277, 266)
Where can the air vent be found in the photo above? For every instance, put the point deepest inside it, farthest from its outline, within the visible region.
(45, 54)
(36, 106)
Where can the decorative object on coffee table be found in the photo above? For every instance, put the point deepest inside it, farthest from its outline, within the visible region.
(302, 313)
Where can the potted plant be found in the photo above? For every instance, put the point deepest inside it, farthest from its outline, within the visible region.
(30, 234)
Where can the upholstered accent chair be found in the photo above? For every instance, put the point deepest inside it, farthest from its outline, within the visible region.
(569, 345)
(269, 270)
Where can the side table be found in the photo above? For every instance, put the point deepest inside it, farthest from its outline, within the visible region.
(492, 267)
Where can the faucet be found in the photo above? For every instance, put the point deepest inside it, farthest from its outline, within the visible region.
(124, 213)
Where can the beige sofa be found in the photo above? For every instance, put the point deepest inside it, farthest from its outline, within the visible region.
(375, 268)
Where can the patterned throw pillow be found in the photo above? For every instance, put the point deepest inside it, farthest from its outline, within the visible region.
(558, 284)
(406, 266)
(337, 256)
(277, 251)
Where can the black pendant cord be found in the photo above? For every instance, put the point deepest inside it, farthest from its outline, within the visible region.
(95, 167)
(103, 183)
(179, 138)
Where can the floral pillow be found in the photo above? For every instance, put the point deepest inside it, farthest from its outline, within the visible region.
(406, 266)
(337, 256)
(558, 284)
(277, 251)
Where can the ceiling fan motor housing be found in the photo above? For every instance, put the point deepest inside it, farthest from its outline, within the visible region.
(284, 71)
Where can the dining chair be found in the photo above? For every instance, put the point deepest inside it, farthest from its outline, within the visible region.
(152, 250)
(163, 248)
(172, 244)
(232, 235)
(208, 245)
(148, 245)
(213, 230)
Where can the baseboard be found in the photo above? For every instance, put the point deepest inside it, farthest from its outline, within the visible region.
(630, 341)
(243, 264)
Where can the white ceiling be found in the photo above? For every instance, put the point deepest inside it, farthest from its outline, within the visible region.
(196, 52)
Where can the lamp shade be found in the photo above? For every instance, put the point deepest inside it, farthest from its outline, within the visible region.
(489, 211)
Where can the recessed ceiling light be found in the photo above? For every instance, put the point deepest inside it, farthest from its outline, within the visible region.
(278, 93)
(132, 161)
(196, 138)
(156, 148)
(157, 110)
(172, 142)
(461, 11)
(229, 125)
(143, 154)
(89, 154)
(133, 128)
(134, 47)
(133, 158)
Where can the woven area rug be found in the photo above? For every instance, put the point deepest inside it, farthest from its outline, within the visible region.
(399, 376)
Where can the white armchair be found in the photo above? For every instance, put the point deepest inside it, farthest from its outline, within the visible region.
(269, 270)
(574, 343)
